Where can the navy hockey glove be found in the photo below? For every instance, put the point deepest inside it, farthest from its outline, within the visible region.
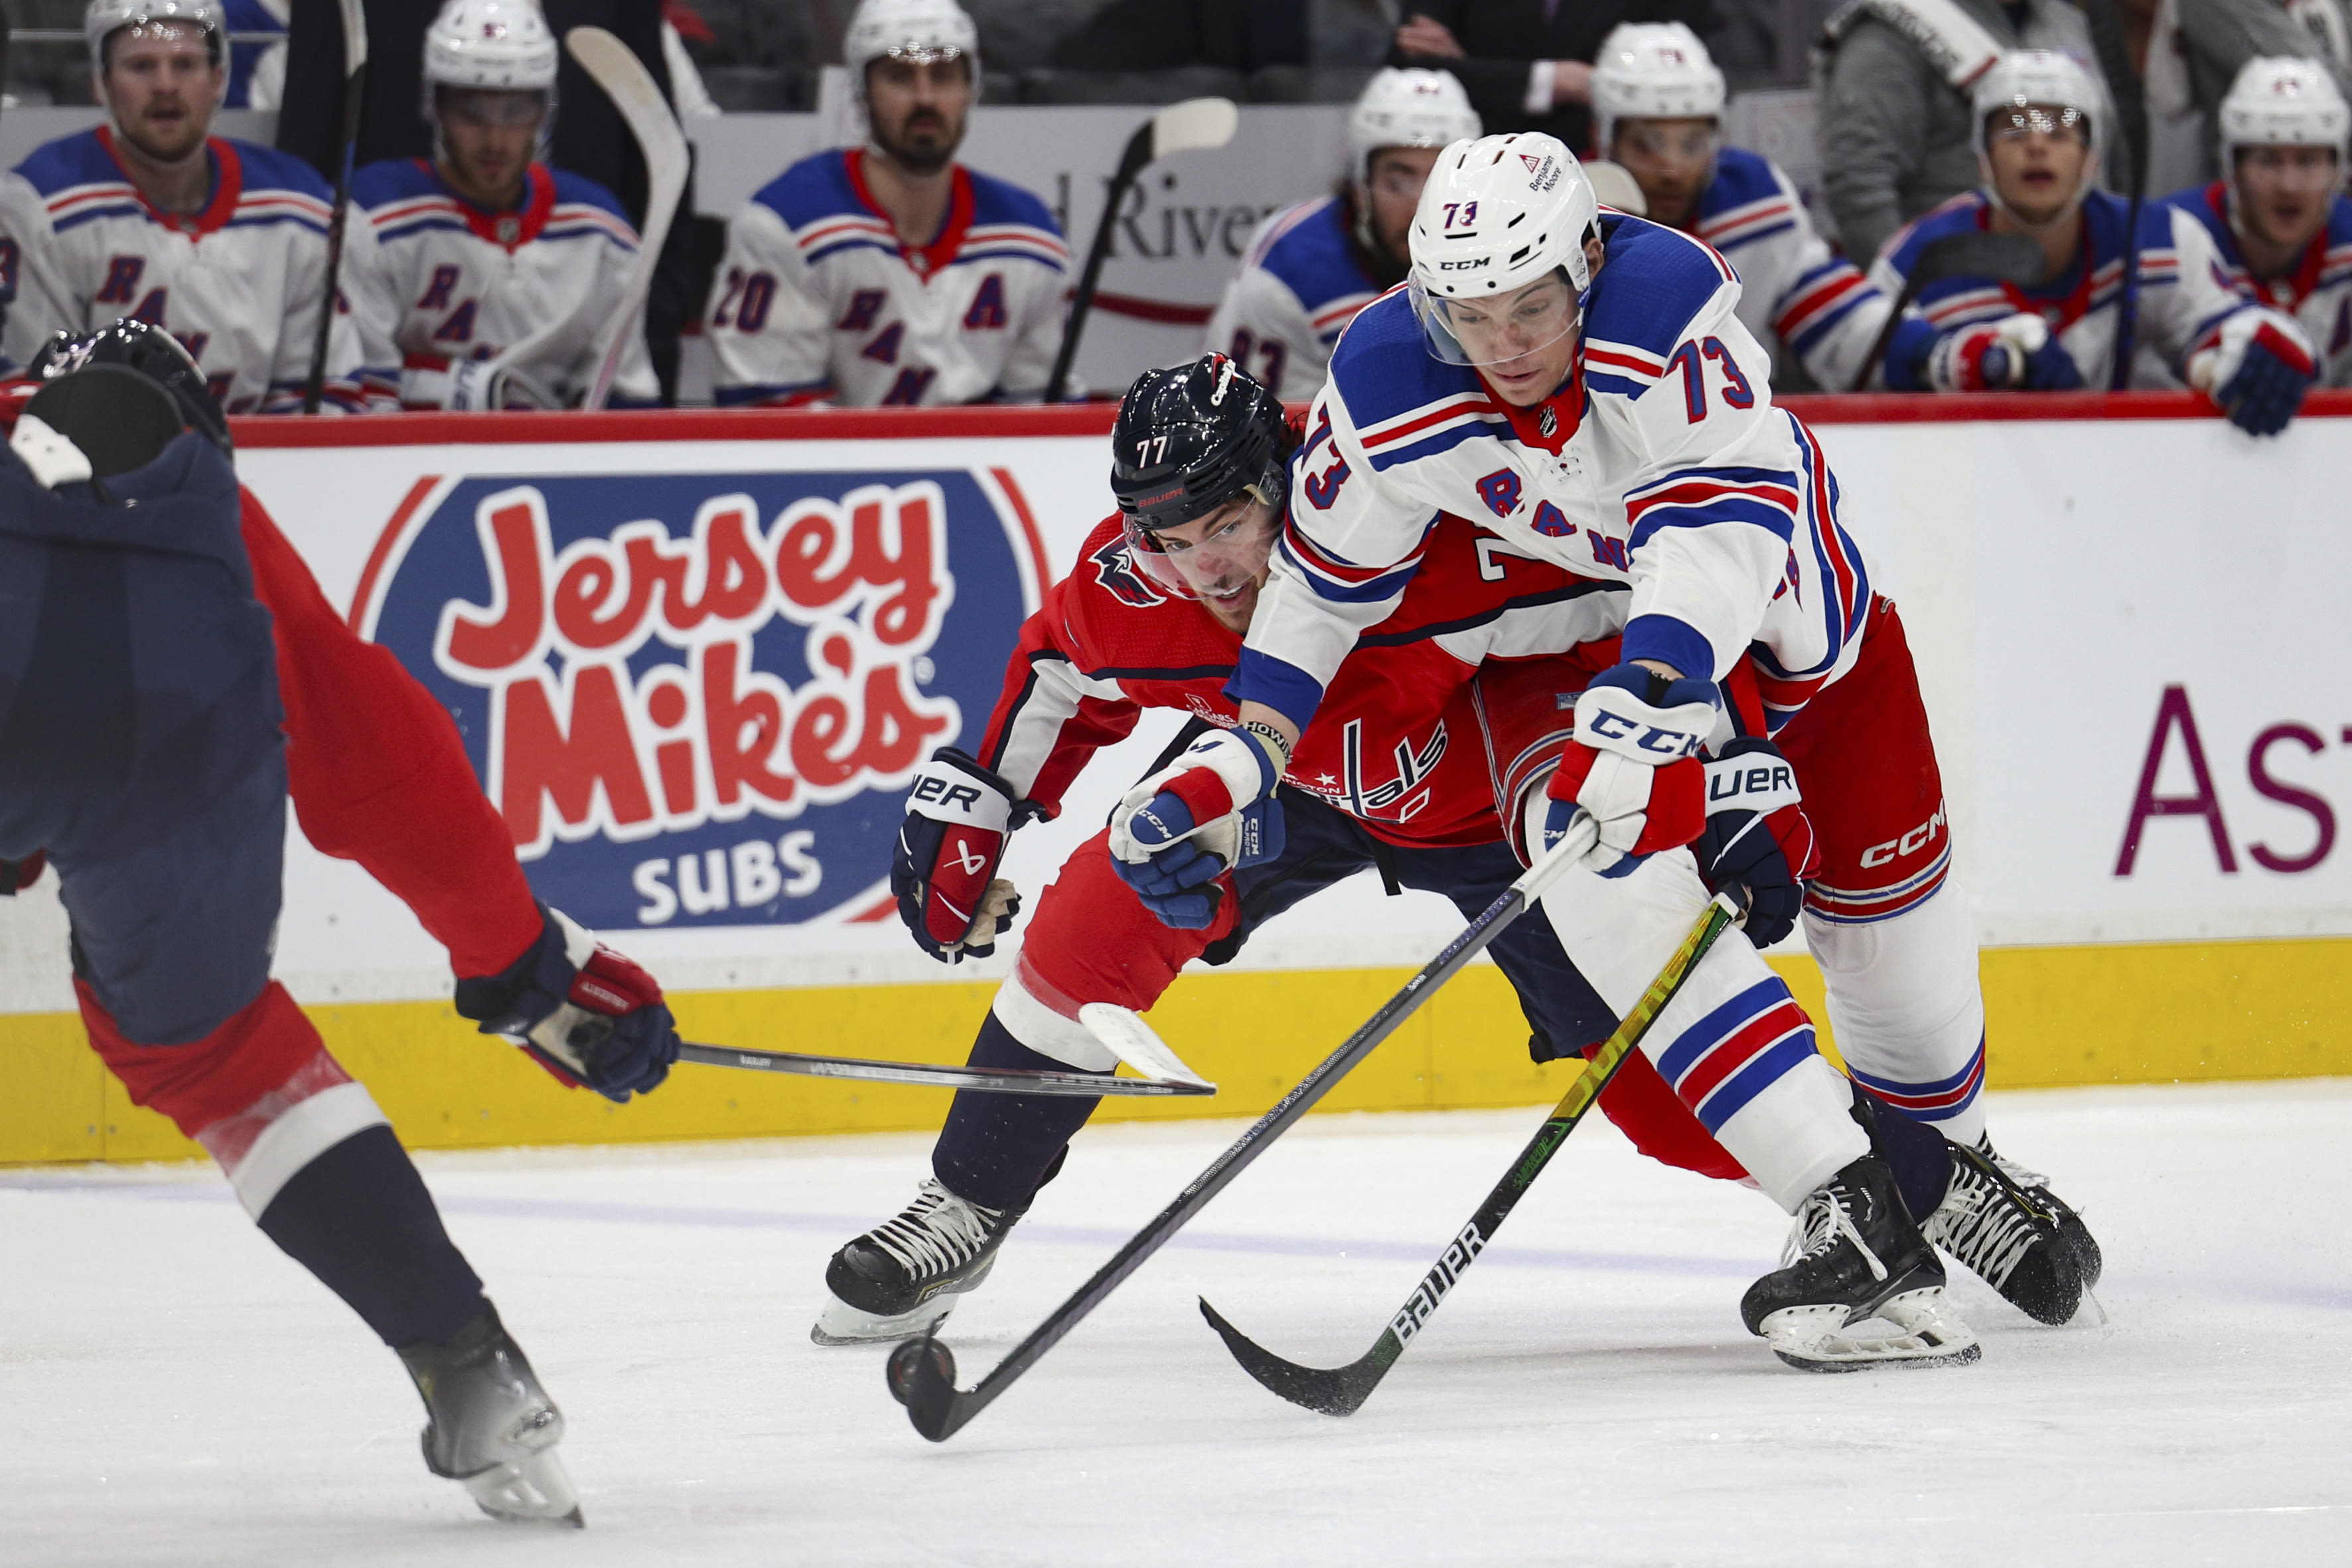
(1212, 810)
(1634, 765)
(590, 1016)
(1758, 838)
(2015, 350)
(944, 871)
(2261, 367)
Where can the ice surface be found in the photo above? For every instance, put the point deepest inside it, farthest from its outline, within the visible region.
(175, 1391)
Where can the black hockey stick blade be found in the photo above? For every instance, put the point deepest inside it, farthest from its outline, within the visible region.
(1342, 1390)
(925, 1383)
(994, 1080)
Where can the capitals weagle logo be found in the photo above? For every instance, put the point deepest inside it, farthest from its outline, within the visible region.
(698, 699)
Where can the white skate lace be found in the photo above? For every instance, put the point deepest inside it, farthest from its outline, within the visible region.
(1982, 1224)
(1822, 1220)
(2028, 1179)
(937, 1232)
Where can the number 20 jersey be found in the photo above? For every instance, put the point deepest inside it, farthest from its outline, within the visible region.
(1662, 464)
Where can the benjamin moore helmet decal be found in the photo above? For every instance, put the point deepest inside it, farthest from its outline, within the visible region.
(698, 698)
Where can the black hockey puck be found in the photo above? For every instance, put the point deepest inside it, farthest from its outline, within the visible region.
(909, 1358)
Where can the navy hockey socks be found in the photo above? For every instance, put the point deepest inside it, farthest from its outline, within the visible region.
(1914, 1152)
(997, 1150)
(359, 1218)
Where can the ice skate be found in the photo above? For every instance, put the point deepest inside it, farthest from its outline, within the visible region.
(904, 1275)
(491, 1425)
(2005, 1224)
(1855, 1255)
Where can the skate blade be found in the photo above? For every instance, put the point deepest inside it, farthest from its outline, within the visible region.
(841, 1323)
(1930, 1333)
(533, 1491)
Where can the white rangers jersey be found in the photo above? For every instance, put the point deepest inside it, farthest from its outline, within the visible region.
(533, 289)
(1793, 291)
(2182, 297)
(818, 300)
(1663, 463)
(1301, 282)
(240, 283)
(2319, 294)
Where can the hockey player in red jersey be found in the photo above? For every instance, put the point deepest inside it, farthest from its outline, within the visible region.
(167, 692)
(1400, 773)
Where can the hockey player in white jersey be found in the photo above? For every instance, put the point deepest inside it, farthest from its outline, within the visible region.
(889, 273)
(222, 244)
(1657, 102)
(2038, 131)
(493, 278)
(2278, 214)
(1579, 383)
(1310, 267)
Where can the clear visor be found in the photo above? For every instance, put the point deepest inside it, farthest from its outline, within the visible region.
(1215, 557)
(1498, 329)
(492, 107)
(2021, 120)
(1665, 143)
(2303, 170)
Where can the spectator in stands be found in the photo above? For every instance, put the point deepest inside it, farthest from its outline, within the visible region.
(1163, 35)
(2083, 324)
(2278, 214)
(1896, 134)
(493, 279)
(1310, 267)
(890, 274)
(222, 244)
(1659, 100)
(1527, 63)
(2186, 54)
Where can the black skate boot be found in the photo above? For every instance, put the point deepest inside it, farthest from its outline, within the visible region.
(491, 1425)
(904, 1275)
(1855, 1254)
(2003, 1222)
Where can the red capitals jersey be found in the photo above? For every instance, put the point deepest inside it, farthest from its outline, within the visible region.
(1395, 744)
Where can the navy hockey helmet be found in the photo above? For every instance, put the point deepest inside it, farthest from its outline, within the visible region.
(150, 352)
(1190, 441)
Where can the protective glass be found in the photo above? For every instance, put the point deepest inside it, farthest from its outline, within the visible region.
(491, 107)
(1665, 142)
(1230, 551)
(1500, 327)
(2021, 120)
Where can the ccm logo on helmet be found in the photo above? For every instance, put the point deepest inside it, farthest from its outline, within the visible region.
(1464, 265)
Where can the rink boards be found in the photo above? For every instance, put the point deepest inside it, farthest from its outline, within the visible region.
(695, 656)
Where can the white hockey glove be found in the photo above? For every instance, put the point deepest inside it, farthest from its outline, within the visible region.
(1210, 810)
(470, 385)
(1635, 766)
(2258, 372)
(2013, 351)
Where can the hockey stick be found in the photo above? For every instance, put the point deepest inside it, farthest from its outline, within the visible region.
(2114, 54)
(922, 1372)
(355, 87)
(631, 88)
(1341, 1390)
(1128, 1036)
(1197, 122)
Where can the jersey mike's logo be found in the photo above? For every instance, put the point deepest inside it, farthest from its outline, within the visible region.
(698, 699)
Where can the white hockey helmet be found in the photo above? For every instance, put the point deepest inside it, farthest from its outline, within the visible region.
(1407, 107)
(917, 30)
(2046, 79)
(1654, 70)
(2284, 101)
(497, 46)
(106, 18)
(1499, 213)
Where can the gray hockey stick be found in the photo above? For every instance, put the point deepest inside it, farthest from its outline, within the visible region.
(1126, 1035)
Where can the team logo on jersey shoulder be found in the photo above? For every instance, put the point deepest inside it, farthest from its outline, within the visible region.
(699, 698)
(1115, 570)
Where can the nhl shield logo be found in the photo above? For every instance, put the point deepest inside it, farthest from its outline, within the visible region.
(698, 699)
(508, 228)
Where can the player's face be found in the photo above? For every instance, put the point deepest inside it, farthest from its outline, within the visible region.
(1394, 182)
(488, 137)
(1522, 342)
(2284, 192)
(916, 109)
(2039, 155)
(1222, 556)
(1669, 159)
(161, 87)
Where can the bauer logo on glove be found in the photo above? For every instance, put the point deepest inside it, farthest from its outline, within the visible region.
(943, 869)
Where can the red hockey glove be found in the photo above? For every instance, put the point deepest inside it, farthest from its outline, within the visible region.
(1757, 837)
(943, 870)
(587, 1014)
(1634, 765)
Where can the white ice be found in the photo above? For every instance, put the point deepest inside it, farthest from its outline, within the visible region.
(175, 1391)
